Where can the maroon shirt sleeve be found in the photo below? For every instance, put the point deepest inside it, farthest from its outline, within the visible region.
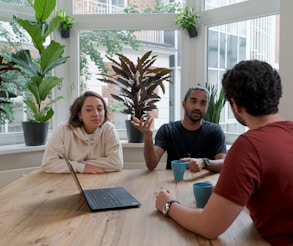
(240, 173)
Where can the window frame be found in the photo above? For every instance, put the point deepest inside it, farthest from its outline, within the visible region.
(116, 22)
(234, 13)
(194, 60)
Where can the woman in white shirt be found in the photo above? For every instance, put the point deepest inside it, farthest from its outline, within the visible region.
(88, 140)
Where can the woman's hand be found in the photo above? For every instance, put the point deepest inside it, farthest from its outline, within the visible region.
(93, 169)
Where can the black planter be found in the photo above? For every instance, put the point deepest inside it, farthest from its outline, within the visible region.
(133, 135)
(65, 33)
(192, 32)
(35, 133)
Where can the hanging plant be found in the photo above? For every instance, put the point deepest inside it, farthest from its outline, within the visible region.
(187, 20)
(66, 23)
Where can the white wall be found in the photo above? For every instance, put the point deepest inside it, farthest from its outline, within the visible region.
(286, 57)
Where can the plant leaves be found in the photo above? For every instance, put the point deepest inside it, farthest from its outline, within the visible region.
(216, 103)
(43, 9)
(137, 83)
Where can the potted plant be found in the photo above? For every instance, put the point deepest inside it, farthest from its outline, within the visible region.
(66, 23)
(216, 104)
(6, 112)
(38, 70)
(137, 84)
(187, 20)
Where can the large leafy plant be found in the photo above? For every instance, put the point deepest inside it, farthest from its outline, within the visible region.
(39, 70)
(137, 83)
(216, 103)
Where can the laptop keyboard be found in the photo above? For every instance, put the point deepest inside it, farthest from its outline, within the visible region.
(103, 198)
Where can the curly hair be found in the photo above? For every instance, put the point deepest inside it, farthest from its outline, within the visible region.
(75, 108)
(255, 86)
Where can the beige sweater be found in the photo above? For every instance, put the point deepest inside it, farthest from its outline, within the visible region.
(102, 149)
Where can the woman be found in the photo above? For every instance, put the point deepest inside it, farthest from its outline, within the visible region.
(88, 139)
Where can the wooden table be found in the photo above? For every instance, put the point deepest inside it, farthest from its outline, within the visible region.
(47, 209)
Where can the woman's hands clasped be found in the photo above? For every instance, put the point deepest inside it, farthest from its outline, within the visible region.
(92, 169)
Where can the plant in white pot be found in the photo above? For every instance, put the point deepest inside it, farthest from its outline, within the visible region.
(136, 85)
(38, 70)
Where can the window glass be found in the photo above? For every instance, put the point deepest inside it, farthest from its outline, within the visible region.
(213, 4)
(96, 45)
(13, 38)
(251, 39)
(213, 49)
(16, 2)
(222, 51)
(125, 6)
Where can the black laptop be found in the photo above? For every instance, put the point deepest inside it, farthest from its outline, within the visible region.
(104, 198)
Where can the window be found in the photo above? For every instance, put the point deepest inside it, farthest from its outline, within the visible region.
(230, 43)
(132, 44)
(226, 36)
(212, 4)
(16, 2)
(96, 44)
(125, 6)
(14, 38)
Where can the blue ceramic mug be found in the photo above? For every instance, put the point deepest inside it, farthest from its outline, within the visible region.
(202, 192)
(178, 168)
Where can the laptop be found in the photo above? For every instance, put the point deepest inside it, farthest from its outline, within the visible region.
(104, 198)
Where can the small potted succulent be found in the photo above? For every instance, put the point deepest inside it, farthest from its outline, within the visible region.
(187, 20)
(66, 23)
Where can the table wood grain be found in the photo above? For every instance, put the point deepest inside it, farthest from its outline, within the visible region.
(47, 209)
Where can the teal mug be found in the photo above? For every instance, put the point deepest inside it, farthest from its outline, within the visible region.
(178, 168)
(202, 192)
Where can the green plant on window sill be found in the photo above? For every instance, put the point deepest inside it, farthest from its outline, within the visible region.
(38, 69)
(137, 83)
(187, 20)
(216, 104)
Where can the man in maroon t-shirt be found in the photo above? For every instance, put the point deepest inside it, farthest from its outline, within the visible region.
(258, 169)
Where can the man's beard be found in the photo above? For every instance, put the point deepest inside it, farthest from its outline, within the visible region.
(239, 119)
(196, 118)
